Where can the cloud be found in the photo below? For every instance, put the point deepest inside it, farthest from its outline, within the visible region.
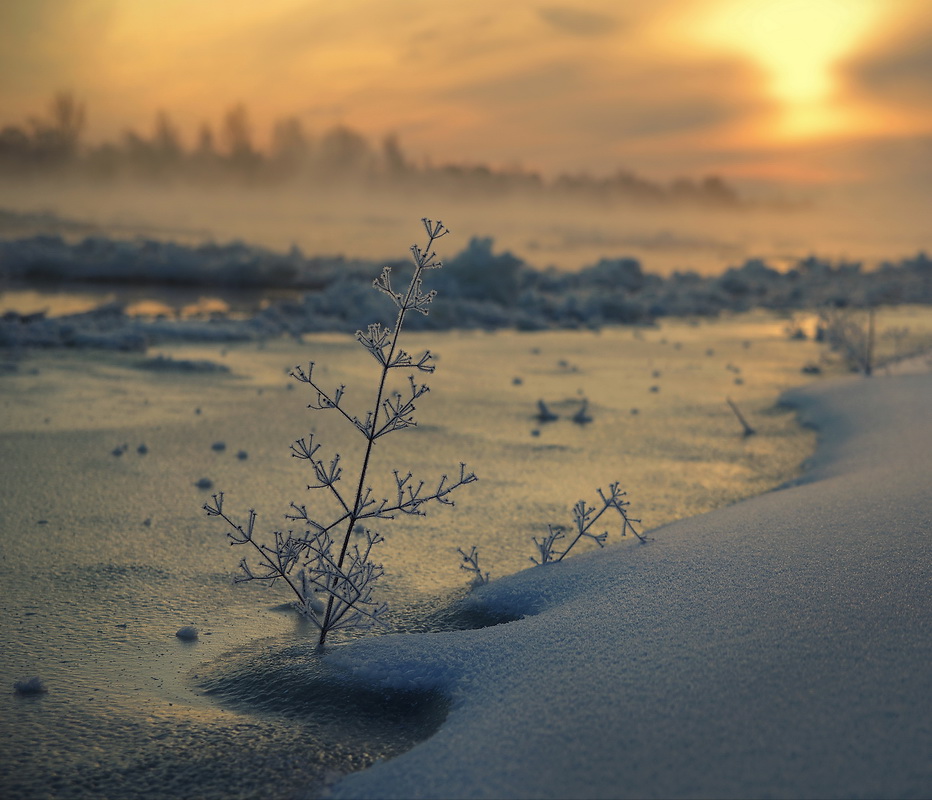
(577, 22)
(48, 44)
(567, 113)
(521, 86)
(552, 84)
(898, 74)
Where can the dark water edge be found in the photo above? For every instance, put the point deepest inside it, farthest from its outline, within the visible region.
(267, 720)
(339, 726)
(249, 757)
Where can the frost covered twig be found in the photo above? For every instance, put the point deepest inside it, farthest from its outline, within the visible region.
(471, 565)
(584, 518)
(331, 581)
(545, 546)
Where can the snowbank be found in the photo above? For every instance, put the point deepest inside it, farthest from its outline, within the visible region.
(480, 288)
(779, 647)
(100, 259)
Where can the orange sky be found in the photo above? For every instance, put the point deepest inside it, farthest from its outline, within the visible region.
(793, 90)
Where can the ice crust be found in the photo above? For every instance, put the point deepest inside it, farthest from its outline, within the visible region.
(482, 289)
(779, 647)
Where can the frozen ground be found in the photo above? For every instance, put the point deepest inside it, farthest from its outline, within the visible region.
(105, 552)
(779, 647)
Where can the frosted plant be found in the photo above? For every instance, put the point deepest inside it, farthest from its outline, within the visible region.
(550, 548)
(331, 581)
(850, 337)
(471, 565)
(545, 547)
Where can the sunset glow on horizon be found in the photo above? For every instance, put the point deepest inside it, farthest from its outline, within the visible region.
(750, 89)
(799, 44)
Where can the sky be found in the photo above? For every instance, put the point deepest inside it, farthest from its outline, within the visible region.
(797, 91)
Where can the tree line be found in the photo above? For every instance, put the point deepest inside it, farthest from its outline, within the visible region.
(53, 144)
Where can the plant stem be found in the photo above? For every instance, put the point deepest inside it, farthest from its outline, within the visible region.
(748, 430)
(354, 511)
(262, 553)
(582, 530)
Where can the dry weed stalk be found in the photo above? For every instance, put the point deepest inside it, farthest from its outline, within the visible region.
(584, 518)
(333, 582)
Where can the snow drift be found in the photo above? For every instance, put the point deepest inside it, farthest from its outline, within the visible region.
(778, 647)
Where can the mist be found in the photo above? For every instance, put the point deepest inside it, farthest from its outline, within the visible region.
(338, 192)
(366, 223)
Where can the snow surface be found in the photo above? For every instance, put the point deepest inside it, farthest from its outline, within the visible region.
(780, 647)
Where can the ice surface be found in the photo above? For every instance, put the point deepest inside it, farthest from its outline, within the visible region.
(779, 647)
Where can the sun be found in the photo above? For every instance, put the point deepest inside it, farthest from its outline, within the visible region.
(798, 44)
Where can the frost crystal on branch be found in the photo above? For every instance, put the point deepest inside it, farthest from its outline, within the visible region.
(331, 581)
(384, 284)
(375, 341)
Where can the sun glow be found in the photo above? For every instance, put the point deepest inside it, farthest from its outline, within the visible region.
(799, 44)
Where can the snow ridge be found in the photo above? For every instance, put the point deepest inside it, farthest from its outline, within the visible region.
(778, 647)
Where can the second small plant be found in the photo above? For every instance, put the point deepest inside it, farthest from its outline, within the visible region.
(559, 541)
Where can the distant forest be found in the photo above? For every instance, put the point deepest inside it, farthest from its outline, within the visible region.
(53, 145)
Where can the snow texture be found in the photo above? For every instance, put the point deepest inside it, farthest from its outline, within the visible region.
(779, 647)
